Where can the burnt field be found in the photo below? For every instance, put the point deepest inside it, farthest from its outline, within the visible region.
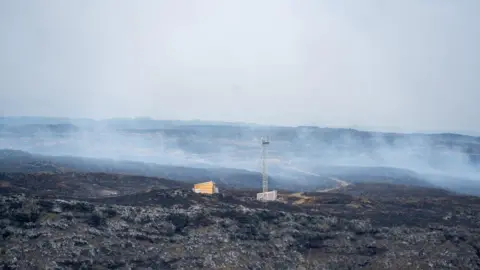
(63, 221)
(81, 185)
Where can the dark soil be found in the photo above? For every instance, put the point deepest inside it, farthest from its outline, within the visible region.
(155, 223)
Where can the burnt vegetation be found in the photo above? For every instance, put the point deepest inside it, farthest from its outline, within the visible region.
(79, 213)
(162, 224)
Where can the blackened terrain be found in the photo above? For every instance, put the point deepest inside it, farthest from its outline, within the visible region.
(15, 161)
(56, 221)
(82, 185)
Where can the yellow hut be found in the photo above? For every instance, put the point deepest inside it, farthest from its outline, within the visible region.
(205, 188)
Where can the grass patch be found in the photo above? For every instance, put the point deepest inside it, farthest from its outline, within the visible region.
(49, 217)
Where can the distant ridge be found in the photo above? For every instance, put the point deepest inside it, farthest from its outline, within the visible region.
(148, 122)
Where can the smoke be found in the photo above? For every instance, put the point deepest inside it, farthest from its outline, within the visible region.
(293, 153)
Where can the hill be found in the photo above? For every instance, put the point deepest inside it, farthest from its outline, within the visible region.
(321, 177)
(82, 185)
(24, 162)
(299, 157)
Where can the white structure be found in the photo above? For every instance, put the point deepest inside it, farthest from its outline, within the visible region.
(265, 195)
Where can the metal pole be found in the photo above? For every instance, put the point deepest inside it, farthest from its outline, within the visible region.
(265, 143)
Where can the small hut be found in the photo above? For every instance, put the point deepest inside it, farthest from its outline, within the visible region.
(205, 188)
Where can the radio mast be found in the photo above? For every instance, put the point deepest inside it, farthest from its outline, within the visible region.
(265, 143)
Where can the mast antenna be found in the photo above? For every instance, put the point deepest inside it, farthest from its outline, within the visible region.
(265, 143)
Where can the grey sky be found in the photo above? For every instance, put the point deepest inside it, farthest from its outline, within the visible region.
(408, 64)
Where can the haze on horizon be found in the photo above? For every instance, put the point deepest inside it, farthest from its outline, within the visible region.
(408, 65)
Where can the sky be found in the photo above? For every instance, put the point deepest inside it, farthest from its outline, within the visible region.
(404, 64)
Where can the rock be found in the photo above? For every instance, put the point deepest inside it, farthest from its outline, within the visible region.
(237, 234)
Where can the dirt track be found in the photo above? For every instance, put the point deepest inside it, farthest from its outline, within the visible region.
(340, 183)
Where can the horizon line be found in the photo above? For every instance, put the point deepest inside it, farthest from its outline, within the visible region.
(224, 122)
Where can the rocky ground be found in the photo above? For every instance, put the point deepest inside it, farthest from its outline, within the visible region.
(363, 226)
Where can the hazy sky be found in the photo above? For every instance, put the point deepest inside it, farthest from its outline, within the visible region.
(411, 64)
